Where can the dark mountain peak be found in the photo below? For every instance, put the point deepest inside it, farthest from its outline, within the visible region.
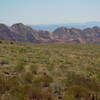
(6, 33)
(66, 32)
(61, 28)
(96, 28)
(18, 25)
(3, 27)
(91, 30)
(44, 34)
(67, 29)
(21, 28)
(75, 29)
(26, 32)
(88, 35)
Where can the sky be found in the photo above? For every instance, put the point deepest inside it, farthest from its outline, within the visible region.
(49, 11)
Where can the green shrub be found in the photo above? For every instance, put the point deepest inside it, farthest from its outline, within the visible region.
(1, 42)
(69, 97)
(33, 68)
(20, 66)
(4, 61)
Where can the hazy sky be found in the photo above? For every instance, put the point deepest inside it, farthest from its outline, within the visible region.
(49, 11)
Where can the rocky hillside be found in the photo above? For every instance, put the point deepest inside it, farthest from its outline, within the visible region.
(88, 35)
(23, 33)
(7, 34)
(20, 32)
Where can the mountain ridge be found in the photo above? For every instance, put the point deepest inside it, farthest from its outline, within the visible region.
(23, 33)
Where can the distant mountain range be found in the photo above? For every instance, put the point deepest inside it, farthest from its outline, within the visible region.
(52, 27)
(22, 33)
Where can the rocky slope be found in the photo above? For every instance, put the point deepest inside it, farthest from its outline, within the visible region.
(88, 35)
(6, 34)
(23, 33)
